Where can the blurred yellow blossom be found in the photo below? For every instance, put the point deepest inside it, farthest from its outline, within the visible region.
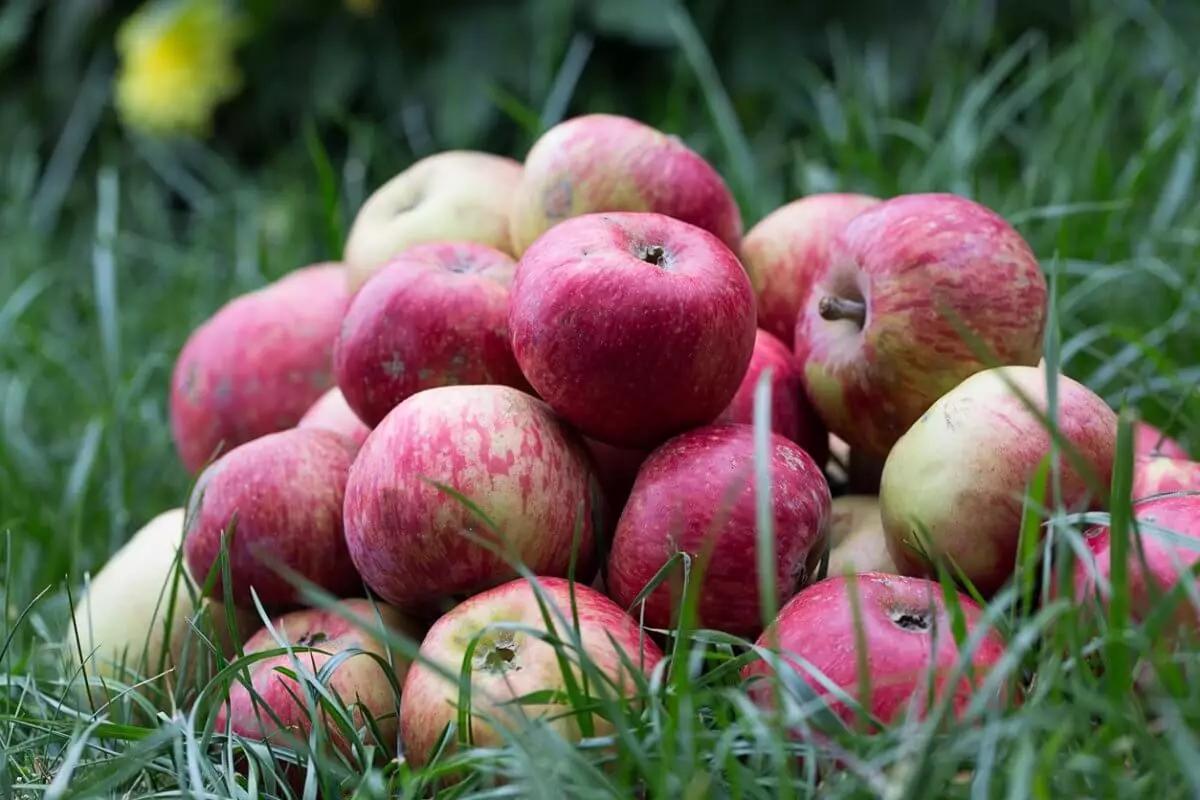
(177, 64)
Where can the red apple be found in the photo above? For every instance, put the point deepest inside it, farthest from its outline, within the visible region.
(502, 449)
(1165, 564)
(605, 162)
(331, 412)
(280, 709)
(456, 195)
(1154, 475)
(962, 470)
(1150, 441)
(277, 498)
(879, 337)
(787, 248)
(435, 315)
(792, 416)
(616, 469)
(632, 326)
(909, 645)
(257, 364)
(508, 664)
(696, 494)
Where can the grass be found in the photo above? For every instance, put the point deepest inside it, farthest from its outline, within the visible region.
(1089, 146)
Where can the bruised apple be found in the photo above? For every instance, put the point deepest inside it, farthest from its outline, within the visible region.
(256, 365)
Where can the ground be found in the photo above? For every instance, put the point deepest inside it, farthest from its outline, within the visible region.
(1089, 146)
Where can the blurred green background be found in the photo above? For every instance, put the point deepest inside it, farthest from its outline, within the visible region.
(1080, 121)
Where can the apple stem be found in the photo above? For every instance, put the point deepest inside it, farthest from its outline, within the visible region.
(835, 308)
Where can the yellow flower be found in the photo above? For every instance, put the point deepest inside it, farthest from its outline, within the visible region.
(177, 65)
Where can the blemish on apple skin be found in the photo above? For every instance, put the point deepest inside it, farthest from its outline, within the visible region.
(557, 200)
(394, 367)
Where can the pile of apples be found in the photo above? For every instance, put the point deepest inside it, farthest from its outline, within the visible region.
(559, 363)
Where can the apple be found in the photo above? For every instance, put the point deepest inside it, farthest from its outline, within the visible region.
(607, 162)
(1159, 474)
(879, 338)
(504, 451)
(697, 494)
(792, 416)
(787, 248)
(435, 315)
(632, 326)
(274, 500)
(349, 641)
(856, 539)
(616, 469)
(1154, 568)
(507, 664)
(455, 195)
(256, 365)
(1149, 440)
(962, 470)
(331, 412)
(908, 646)
(142, 618)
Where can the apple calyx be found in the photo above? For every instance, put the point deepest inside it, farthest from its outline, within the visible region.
(312, 639)
(496, 655)
(835, 308)
(916, 621)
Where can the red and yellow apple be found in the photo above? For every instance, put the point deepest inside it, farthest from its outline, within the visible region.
(1154, 475)
(435, 315)
(455, 195)
(607, 162)
(632, 326)
(856, 538)
(879, 337)
(1150, 441)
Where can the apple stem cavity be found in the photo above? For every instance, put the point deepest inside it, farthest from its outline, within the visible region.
(911, 621)
(655, 255)
(496, 656)
(835, 308)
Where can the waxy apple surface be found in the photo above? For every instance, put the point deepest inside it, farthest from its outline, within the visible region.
(632, 326)
(606, 162)
(913, 285)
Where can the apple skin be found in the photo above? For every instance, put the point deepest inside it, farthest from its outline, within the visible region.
(257, 364)
(907, 629)
(616, 469)
(435, 315)
(630, 351)
(1159, 474)
(134, 620)
(785, 250)
(914, 266)
(963, 468)
(359, 681)
(455, 195)
(502, 449)
(331, 412)
(286, 490)
(607, 162)
(697, 492)
(508, 664)
(1165, 562)
(856, 538)
(792, 416)
(1150, 441)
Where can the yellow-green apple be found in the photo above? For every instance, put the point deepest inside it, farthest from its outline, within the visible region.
(632, 326)
(606, 162)
(1160, 474)
(856, 540)
(455, 195)
(331, 412)
(913, 285)
(510, 662)
(908, 637)
(961, 472)
(1150, 441)
(274, 502)
(1165, 552)
(345, 648)
(435, 315)
(256, 365)
(792, 416)
(786, 249)
(697, 494)
(506, 453)
(142, 618)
